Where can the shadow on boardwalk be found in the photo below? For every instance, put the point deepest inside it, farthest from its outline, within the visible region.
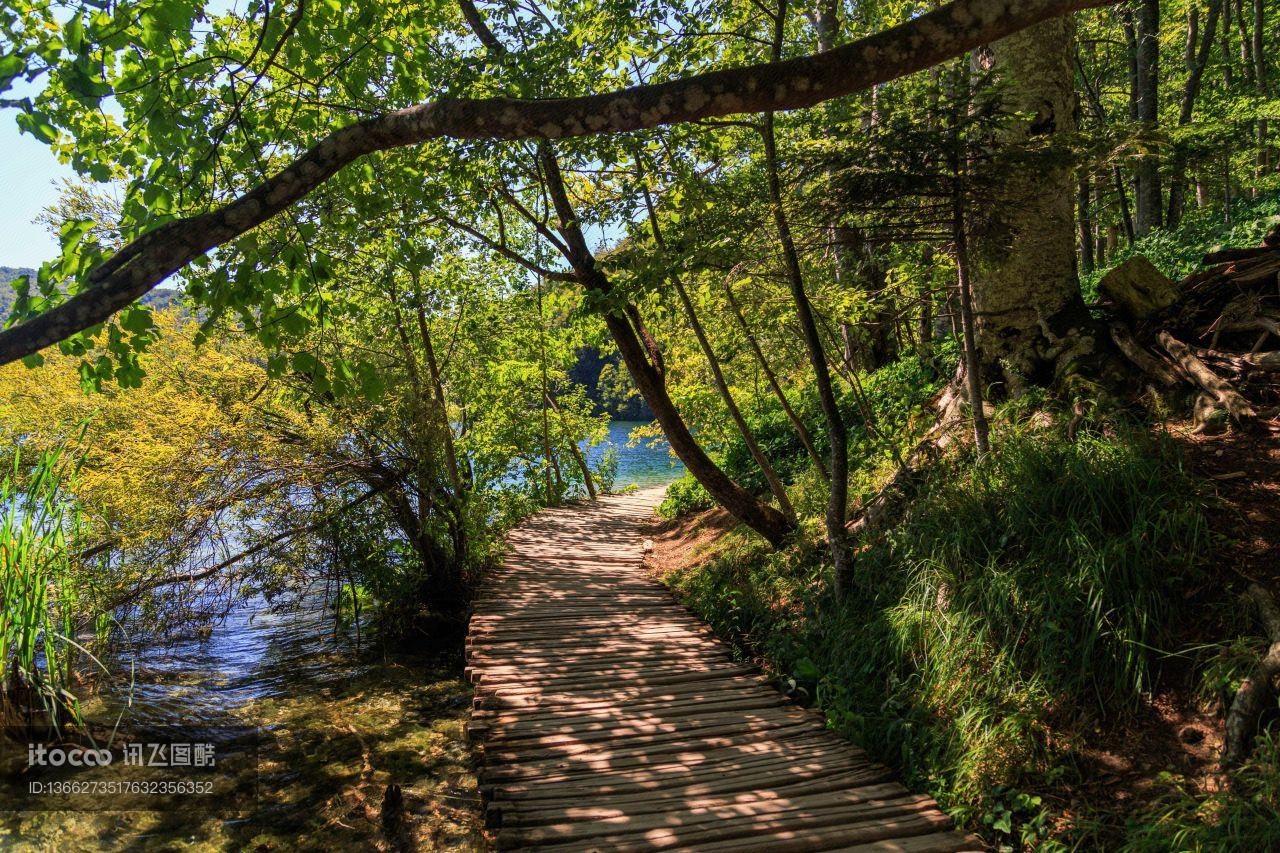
(609, 718)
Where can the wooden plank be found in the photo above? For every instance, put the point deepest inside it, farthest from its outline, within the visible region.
(847, 824)
(760, 802)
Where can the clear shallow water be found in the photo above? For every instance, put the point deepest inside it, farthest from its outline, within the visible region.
(259, 652)
(642, 465)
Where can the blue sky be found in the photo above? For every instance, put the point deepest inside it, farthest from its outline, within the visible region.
(28, 183)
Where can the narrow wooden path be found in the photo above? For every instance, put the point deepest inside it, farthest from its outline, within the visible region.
(609, 718)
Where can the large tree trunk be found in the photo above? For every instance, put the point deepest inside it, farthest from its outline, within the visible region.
(1031, 320)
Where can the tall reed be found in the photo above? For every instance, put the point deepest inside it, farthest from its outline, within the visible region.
(41, 531)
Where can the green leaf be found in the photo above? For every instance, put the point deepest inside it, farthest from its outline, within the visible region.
(73, 34)
(137, 319)
(304, 362)
(37, 124)
(10, 67)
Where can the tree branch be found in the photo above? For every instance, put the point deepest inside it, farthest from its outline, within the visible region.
(504, 250)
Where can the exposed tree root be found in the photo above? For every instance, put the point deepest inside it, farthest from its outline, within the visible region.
(1214, 326)
(1221, 390)
(1140, 358)
(1258, 689)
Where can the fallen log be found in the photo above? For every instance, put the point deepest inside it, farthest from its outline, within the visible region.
(1257, 691)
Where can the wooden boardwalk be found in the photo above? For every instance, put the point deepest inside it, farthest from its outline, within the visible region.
(608, 718)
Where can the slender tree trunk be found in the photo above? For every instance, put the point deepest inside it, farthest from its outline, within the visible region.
(1126, 218)
(1084, 195)
(642, 364)
(1197, 61)
(838, 499)
(924, 319)
(1100, 239)
(1228, 62)
(717, 375)
(838, 496)
(1246, 45)
(1148, 199)
(574, 451)
(553, 489)
(802, 432)
(973, 370)
(1260, 75)
(637, 347)
(437, 385)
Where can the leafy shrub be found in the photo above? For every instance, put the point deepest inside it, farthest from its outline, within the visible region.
(684, 496)
(894, 394)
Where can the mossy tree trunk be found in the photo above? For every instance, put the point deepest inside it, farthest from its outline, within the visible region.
(1032, 325)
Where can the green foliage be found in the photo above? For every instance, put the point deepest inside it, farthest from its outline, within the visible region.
(683, 497)
(1025, 594)
(1177, 253)
(879, 413)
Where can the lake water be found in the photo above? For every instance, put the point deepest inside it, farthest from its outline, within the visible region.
(258, 651)
(649, 463)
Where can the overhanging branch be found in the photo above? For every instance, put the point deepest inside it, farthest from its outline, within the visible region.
(785, 85)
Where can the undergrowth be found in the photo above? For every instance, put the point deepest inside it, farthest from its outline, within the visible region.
(1023, 600)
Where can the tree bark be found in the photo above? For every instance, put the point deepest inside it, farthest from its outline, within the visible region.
(1032, 324)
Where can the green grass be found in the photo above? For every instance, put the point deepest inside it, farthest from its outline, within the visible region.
(1021, 601)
